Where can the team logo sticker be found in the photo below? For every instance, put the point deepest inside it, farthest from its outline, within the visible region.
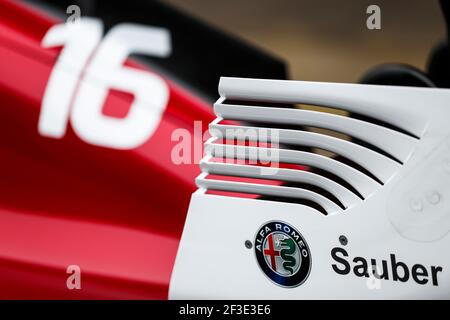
(283, 254)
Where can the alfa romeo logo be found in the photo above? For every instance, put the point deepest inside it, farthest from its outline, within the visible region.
(282, 254)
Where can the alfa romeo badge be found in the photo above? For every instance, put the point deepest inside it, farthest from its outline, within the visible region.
(282, 254)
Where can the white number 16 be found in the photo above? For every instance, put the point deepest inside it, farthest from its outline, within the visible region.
(88, 67)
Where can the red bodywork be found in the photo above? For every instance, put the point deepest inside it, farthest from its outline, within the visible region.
(118, 215)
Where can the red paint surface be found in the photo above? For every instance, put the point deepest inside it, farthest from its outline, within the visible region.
(116, 214)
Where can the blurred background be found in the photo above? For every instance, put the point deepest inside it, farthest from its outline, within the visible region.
(327, 40)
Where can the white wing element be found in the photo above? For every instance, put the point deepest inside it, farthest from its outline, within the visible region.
(379, 141)
(385, 187)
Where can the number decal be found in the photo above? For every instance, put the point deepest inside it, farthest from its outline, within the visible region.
(79, 41)
(95, 66)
